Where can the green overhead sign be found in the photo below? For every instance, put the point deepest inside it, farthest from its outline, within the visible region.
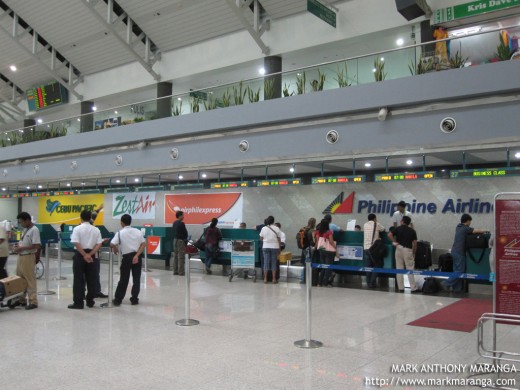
(473, 8)
(322, 11)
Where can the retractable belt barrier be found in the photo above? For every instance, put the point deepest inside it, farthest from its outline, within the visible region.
(460, 275)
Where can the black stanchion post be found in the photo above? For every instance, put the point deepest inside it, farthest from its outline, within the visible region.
(187, 321)
(308, 342)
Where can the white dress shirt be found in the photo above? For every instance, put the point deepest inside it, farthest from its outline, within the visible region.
(87, 235)
(129, 239)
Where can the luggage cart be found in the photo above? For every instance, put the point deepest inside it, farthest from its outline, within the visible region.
(12, 301)
(242, 258)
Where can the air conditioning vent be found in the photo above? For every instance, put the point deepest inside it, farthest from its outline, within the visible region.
(448, 125)
(332, 137)
(243, 146)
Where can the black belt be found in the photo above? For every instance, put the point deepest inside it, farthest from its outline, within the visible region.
(406, 247)
(129, 253)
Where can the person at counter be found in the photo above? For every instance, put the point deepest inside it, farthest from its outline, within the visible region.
(180, 237)
(27, 248)
(458, 252)
(270, 237)
(282, 235)
(332, 226)
(371, 230)
(404, 238)
(212, 236)
(400, 213)
(327, 247)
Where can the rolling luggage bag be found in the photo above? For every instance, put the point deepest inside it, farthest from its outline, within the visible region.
(423, 255)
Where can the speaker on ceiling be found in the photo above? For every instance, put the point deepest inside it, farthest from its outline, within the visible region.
(412, 9)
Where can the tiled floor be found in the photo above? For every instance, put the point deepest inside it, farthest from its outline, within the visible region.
(244, 340)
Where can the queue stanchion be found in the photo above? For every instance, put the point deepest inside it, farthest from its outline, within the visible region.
(308, 342)
(59, 277)
(47, 272)
(109, 304)
(187, 321)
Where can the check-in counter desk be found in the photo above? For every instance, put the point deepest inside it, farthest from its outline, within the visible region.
(350, 247)
(67, 246)
(159, 241)
(230, 235)
(47, 233)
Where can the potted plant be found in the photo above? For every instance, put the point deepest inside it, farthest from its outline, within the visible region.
(211, 104)
(268, 89)
(195, 105)
(457, 61)
(424, 65)
(379, 69)
(317, 85)
(342, 77)
(252, 95)
(285, 91)
(300, 83)
(239, 94)
(226, 99)
(177, 109)
(504, 52)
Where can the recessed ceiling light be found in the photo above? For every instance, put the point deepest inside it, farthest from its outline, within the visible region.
(94, 108)
(136, 180)
(28, 187)
(368, 165)
(409, 162)
(68, 184)
(517, 154)
(13, 68)
(115, 112)
(204, 175)
(399, 42)
(39, 120)
(118, 181)
(40, 186)
(261, 71)
(181, 177)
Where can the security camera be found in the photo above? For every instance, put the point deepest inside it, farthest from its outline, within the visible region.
(448, 125)
(332, 137)
(243, 146)
(174, 153)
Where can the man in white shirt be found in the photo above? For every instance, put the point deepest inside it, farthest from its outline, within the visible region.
(400, 213)
(87, 241)
(131, 243)
(8, 226)
(371, 230)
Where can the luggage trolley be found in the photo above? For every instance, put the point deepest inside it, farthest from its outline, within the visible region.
(12, 301)
(242, 258)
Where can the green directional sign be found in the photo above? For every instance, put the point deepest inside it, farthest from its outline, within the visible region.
(199, 94)
(322, 11)
(472, 8)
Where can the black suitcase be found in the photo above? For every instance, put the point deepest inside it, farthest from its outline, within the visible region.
(423, 255)
(446, 262)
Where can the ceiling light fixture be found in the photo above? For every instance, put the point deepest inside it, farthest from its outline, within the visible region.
(399, 42)
(291, 169)
(368, 165)
(13, 68)
(409, 162)
(261, 71)
(40, 186)
(4, 189)
(79, 120)
(28, 187)
(94, 108)
(180, 177)
(204, 175)
(118, 181)
(115, 112)
(179, 99)
(382, 59)
(39, 120)
(136, 180)
(68, 184)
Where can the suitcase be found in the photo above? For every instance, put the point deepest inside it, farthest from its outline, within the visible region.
(423, 255)
(446, 262)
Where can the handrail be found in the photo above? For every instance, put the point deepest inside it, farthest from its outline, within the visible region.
(7, 132)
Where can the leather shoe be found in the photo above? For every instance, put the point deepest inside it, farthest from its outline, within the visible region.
(116, 303)
(91, 304)
(73, 306)
(417, 291)
(134, 301)
(101, 295)
(31, 306)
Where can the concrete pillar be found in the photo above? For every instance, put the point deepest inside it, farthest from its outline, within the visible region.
(87, 121)
(273, 64)
(164, 105)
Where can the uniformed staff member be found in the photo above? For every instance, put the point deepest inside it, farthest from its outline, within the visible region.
(131, 243)
(27, 247)
(87, 241)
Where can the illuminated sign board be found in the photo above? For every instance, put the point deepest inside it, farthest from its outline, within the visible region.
(485, 172)
(231, 184)
(405, 176)
(187, 186)
(279, 182)
(338, 179)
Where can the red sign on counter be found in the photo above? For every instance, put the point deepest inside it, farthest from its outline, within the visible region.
(507, 223)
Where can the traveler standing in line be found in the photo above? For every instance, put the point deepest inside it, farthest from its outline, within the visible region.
(27, 248)
(458, 252)
(87, 241)
(400, 213)
(4, 251)
(327, 247)
(309, 241)
(131, 243)
(404, 238)
(282, 235)
(213, 235)
(270, 237)
(371, 230)
(97, 260)
(180, 237)
(332, 226)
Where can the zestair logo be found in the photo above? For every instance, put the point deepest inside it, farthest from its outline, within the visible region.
(340, 206)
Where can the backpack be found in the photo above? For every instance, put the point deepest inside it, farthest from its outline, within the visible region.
(302, 239)
(446, 262)
(430, 286)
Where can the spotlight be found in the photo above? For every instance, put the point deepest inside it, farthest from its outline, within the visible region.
(399, 42)
(383, 112)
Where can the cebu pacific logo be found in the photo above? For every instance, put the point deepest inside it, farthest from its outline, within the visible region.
(55, 206)
(51, 206)
(341, 206)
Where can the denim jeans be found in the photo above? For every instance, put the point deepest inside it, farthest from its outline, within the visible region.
(459, 265)
(369, 262)
(211, 254)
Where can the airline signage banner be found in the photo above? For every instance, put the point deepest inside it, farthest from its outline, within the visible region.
(139, 205)
(201, 208)
(154, 245)
(67, 209)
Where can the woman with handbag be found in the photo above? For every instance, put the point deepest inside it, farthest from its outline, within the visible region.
(212, 236)
(327, 247)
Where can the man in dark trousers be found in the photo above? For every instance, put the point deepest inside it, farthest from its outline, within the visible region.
(131, 243)
(180, 237)
(87, 241)
(404, 238)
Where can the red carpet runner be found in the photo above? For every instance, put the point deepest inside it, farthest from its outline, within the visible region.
(461, 316)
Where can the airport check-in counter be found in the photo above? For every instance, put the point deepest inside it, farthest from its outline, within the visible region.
(350, 246)
(160, 242)
(47, 233)
(67, 246)
(230, 235)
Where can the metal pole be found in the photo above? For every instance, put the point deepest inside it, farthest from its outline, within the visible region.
(110, 281)
(47, 272)
(308, 342)
(146, 256)
(187, 321)
(59, 277)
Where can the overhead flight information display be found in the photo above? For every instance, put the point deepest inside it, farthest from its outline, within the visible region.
(44, 96)
(485, 172)
(338, 179)
(405, 176)
(231, 184)
(279, 182)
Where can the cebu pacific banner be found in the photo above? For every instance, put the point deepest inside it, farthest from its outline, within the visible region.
(201, 208)
(66, 209)
(139, 205)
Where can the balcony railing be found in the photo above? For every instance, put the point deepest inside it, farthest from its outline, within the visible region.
(408, 61)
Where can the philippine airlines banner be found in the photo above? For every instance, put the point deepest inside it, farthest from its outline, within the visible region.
(66, 209)
(139, 205)
(201, 208)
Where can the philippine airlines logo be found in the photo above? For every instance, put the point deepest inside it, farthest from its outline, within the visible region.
(340, 206)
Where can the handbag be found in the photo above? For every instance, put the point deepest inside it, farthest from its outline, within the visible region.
(378, 248)
(477, 241)
(200, 244)
(325, 245)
